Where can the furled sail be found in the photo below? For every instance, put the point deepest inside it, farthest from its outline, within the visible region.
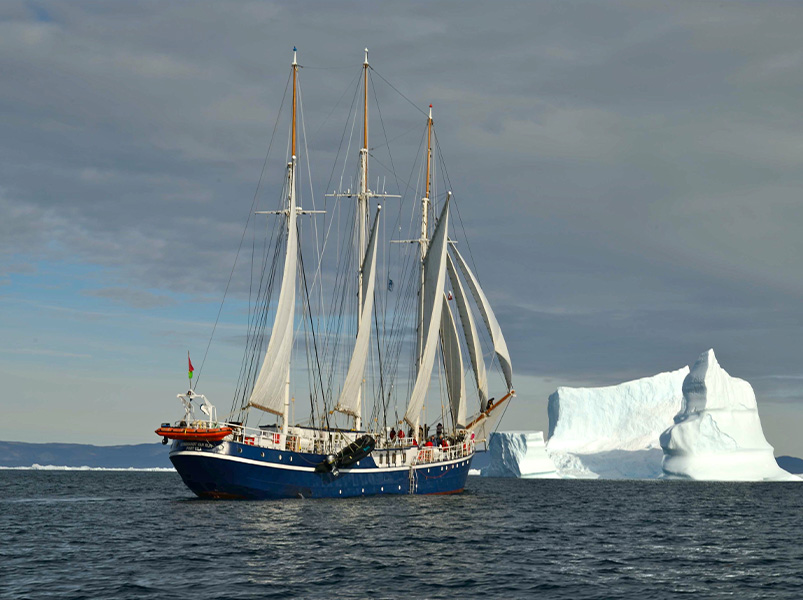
(500, 347)
(269, 389)
(469, 331)
(349, 401)
(434, 279)
(453, 365)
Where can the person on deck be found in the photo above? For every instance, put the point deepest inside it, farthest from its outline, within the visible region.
(392, 434)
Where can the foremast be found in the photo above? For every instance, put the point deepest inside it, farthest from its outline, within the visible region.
(432, 280)
(434, 313)
(423, 242)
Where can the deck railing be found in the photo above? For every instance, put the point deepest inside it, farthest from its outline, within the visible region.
(428, 454)
(330, 442)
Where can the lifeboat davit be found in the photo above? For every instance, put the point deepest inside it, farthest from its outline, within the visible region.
(196, 434)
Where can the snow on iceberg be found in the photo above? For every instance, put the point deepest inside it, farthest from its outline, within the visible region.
(519, 454)
(717, 433)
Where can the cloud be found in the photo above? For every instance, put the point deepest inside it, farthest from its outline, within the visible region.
(132, 297)
(627, 174)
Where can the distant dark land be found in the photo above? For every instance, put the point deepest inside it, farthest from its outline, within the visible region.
(791, 464)
(137, 456)
(146, 456)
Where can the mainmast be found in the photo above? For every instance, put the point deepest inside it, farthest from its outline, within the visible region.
(362, 212)
(364, 297)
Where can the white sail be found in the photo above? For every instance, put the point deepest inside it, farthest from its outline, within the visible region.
(349, 401)
(269, 389)
(434, 279)
(453, 365)
(500, 347)
(470, 332)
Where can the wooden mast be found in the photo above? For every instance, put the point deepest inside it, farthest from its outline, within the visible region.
(423, 242)
(362, 208)
(429, 148)
(291, 203)
(423, 239)
(295, 74)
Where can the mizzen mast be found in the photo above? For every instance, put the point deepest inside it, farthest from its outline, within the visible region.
(271, 391)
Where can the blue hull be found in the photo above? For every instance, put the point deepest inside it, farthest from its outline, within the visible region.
(237, 470)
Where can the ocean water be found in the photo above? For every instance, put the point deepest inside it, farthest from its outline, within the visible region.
(72, 534)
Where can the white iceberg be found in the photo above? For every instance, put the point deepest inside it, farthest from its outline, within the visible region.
(519, 454)
(627, 416)
(613, 432)
(717, 433)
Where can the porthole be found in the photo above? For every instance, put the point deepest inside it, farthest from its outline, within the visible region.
(263, 454)
(341, 492)
(291, 459)
(382, 489)
(280, 457)
(240, 450)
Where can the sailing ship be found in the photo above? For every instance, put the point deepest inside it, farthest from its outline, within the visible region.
(322, 456)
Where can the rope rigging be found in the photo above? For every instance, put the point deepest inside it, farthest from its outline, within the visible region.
(329, 324)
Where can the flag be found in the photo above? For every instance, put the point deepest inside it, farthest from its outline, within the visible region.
(190, 363)
(449, 295)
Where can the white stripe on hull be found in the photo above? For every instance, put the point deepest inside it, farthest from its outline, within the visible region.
(263, 463)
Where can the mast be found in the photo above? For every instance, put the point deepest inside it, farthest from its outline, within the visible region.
(423, 242)
(364, 299)
(291, 207)
(271, 391)
(362, 214)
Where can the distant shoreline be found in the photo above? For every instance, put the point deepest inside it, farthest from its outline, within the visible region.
(86, 468)
(61, 456)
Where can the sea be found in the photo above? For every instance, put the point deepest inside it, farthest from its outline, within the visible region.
(120, 535)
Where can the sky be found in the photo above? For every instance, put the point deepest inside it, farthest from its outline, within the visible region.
(629, 174)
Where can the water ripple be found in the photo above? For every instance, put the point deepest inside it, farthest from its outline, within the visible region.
(141, 535)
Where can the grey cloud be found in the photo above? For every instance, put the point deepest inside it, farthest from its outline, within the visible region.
(628, 173)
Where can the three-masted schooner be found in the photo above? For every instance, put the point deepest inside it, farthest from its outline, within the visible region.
(227, 459)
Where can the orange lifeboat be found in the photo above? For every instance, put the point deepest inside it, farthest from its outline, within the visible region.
(195, 434)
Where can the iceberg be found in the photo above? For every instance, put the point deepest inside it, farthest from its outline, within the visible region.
(519, 454)
(717, 433)
(627, 416)
(613, 432)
